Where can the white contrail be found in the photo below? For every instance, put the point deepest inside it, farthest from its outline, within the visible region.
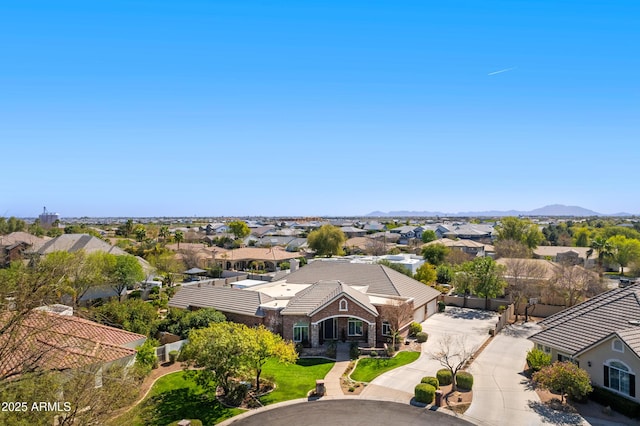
(501, 71)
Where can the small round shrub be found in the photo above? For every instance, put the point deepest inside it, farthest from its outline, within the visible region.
(173, 356)
(424, 393)
(441, 306)
(430, 380)
(444, 377)
(421, 337)
(373, 354)
(464, 380)
(354, 351)
(414, 328)
(538, 359)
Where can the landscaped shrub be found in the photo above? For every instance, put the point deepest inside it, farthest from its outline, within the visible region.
(373, 354)
(424, 393)
(173, 356)
(464, 380)
(390, 350)
(421, 337)
(444, 377)
(616, 402)
(538, 359)
(354, 351)
(430, 380)
(414, 328)
(441, 306)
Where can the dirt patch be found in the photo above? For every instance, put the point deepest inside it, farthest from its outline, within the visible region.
(456, 401)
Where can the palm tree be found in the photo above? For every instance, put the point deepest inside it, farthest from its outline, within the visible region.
(178, 236)
(604, 249)
(164, 233)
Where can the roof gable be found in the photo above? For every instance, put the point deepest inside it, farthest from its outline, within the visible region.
(322, 294)
(580, 327)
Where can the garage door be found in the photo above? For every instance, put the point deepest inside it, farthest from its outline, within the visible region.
(432, 307)
(418, 314)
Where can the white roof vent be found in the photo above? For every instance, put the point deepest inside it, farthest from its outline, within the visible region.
(634, 322)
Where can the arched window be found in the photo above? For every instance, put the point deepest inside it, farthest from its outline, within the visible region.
(618, 377)
(343, 306)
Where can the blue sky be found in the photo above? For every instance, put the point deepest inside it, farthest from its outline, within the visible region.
(207, 108)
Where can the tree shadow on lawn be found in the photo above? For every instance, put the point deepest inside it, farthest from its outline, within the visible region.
(181, 404)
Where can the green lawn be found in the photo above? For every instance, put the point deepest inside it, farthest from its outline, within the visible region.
(370, 368)
(294, 380)
(173, 398)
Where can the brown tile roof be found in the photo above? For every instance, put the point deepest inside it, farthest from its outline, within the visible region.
(16, 237)
(581, 326)
(259, 253)
(379, 279)
(52, 341)
(322, 293)
(224, 299)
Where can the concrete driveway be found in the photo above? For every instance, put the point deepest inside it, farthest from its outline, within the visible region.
(472, 325)
(501, 395)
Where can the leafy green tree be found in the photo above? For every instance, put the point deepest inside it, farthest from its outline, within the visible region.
(239, 229)
(625, 250)
(220, 352)
(132, 315)
(146, 358)
(140, 233)
(327, 241)
(183, 322)
(125, 274)
(426, 273)
(444, 274)
(395, 266)
(435, 254)
(524, 231)
(565, 378)
(265, 345)
(488, 282)
(464, 279)
(582, 237)
(428, 236)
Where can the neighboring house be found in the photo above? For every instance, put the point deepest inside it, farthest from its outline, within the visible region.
(242, 258)
(52, 339)
(583, 256)
(408, 233)
(602, 335)
(481, 232)
(470, 247)
(325, 300)
(23, 237)
(352, 232)
(75, 242)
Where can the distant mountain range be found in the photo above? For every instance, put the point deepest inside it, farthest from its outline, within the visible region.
(551, 210)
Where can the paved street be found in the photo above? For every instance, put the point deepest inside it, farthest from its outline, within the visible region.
(346, 412)
(473, 326)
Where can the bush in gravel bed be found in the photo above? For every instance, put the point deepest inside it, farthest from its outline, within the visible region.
(424, 393)
(464, 380)
(444, 377)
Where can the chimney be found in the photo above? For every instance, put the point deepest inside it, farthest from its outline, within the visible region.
(294, 265)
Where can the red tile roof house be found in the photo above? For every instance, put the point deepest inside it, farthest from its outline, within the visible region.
(322, 301)
(47, 340)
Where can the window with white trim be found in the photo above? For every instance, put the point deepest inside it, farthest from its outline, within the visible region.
(344, 305)
(386, 328)
(355, 327)
(619, 378)
(617, 345)
(300, 333)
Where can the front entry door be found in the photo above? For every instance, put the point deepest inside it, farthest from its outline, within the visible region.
(330, 329)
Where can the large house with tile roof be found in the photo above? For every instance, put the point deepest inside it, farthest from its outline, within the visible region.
(602, 335)
(46, 340)
(325, 300)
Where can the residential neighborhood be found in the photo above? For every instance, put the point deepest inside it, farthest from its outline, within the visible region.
(127, 298)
